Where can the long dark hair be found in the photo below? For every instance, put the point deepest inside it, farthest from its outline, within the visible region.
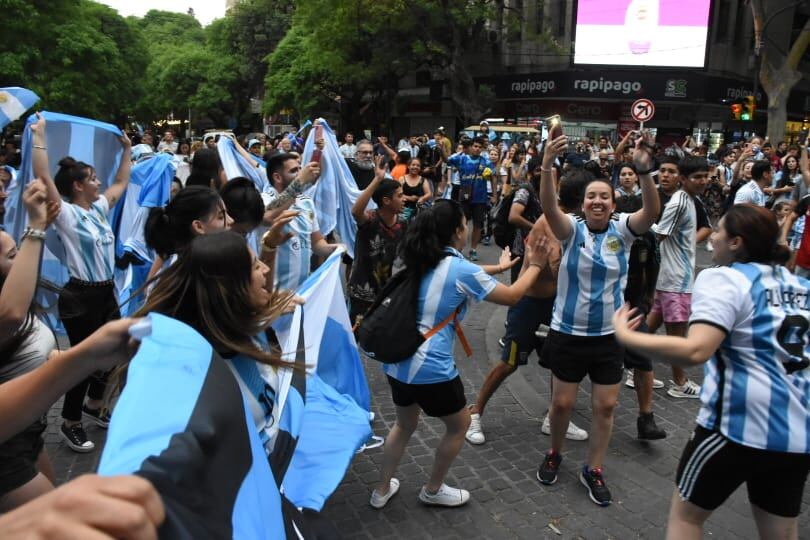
(760, 233)
(208, 288)
(168, 229)
(424, 243)
(206, 163)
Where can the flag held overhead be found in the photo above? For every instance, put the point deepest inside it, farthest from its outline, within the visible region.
(14, 101)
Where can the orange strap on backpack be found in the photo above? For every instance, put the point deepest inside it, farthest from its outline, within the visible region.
(461, 337)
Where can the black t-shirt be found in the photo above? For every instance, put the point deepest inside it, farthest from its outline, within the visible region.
(375, 251)
(362, 177)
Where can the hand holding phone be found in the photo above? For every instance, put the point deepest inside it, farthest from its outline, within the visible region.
(317, 152)
(554, 127)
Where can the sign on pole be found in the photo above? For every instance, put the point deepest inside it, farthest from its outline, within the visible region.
(642, 111)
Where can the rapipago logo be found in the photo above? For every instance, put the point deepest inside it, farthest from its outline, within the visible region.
(530, 86)
(613, 244)
(675, 88)
(604, 87)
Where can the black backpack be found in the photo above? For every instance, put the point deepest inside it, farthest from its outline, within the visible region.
(389, 332)
(502, 231)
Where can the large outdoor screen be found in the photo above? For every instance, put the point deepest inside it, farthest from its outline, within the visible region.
(661, 33)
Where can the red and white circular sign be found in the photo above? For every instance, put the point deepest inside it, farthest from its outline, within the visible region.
(642, 110)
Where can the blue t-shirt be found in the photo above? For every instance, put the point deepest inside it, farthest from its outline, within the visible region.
(443, 289)
(471, 172)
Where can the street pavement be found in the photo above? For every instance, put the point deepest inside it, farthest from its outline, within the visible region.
(507, 500)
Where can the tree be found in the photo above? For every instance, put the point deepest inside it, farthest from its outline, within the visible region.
(779, 71)
(83, 58)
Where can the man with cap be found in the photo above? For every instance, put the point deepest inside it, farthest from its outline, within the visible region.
(255, 147)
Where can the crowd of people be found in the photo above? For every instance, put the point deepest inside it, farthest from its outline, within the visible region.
(599, 243)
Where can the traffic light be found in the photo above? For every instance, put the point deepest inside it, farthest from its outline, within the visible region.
(736, 110)
(749, 108)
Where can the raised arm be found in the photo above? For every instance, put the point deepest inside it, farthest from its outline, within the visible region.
(359, 207)
(309, 175)
(623, 144)
(641, 221)
(21, 282)
(39, 154)
(560, 223)
(804, 165)
(116, 190)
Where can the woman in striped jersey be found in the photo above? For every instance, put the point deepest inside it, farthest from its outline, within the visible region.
(590, 287)
(749, 326)
(88, 300)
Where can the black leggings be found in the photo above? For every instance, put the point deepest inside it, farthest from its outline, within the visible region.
(84, 308)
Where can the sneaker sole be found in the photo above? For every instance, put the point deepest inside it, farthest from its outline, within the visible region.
(656, 385)
(545, 483)
(567, 436)
(678, 395)
(431, 503)
(477, 443)
(79, 449)
(95, 421)
(590, 494)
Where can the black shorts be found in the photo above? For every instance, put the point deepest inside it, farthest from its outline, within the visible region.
(437, 399)
(572, 357)
(522, 321)
(635, 360)
(474, 212)
(712, 467)
(18, 457)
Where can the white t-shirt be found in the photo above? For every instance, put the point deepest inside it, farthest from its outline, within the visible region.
(678, 226)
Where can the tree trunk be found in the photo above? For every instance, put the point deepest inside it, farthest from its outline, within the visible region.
(778, 73)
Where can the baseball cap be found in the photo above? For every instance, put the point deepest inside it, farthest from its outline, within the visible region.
(141, 152)
(253, 141)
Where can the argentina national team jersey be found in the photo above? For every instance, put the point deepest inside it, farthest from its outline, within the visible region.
(592, 277)
(293, 256)
(88, 240)
(443, 289)
(756, 389)
(678, 226)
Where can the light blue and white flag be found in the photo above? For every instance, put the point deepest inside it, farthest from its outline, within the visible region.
(236, 165)
(14, 101)
(332, 420)
(149, 187)
(335, 192)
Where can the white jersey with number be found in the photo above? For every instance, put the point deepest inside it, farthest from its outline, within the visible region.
(756, 389)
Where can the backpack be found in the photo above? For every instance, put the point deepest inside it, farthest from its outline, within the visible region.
(502, 231)
(389, 332)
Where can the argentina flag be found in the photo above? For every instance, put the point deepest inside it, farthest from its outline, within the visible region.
(149, 187)
(334, 412)
(235, 165)
(14, 101)
(335, 192)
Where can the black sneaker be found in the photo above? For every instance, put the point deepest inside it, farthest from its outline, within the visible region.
(648, 430)
(100, 417)
(597, 490)
(547, 473)
(75, 437)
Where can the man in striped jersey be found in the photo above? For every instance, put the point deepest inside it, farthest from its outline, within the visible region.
(294, 256)
(677, 236)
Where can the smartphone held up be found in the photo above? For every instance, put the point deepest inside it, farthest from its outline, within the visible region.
(317, 152)
(554, 127)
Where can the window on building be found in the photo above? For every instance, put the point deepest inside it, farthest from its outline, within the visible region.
(539, 17)
(562, 22)
(723, 14)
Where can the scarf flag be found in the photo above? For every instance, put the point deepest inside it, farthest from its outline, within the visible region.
(335, 192)
(236, 165)
(14, 101)
(149, 187)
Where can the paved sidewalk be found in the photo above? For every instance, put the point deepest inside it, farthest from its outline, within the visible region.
(507, 500)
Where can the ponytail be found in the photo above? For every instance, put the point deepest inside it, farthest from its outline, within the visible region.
(423, 246)
(168, 230)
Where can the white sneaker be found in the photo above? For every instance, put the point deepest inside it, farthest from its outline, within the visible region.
(446, 496)
(378, 501)
(474, 433)
(630, 383)
(688, 390)
(574, 433)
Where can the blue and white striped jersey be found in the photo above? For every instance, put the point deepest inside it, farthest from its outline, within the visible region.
(593, 274)
(443, 289)
(88, 240)
(678, 226)
(756, 389)
(293, 258)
